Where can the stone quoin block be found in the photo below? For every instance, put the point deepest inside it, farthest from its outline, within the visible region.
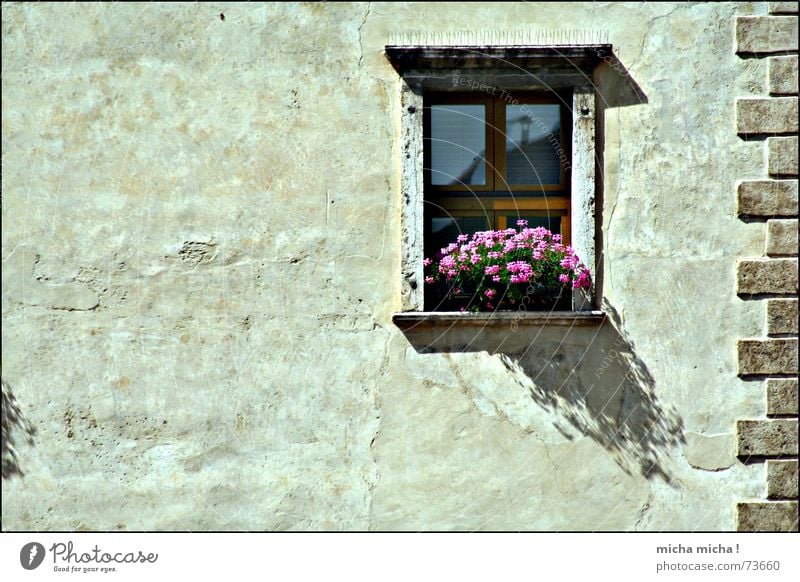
(782, 237)
(770, 356)
(781, 316)
(783, 75)
(782, 396)
(764, 198)
(778, 516)
(774, 115)
(782, 479)
(782, 156)
(766, 438)
(777, 276)
(783, 7)
(766, 34)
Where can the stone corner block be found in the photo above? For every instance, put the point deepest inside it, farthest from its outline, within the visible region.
(782, 237)
(782, 397)
(780, 516)
(782, 479)
(767, 198)
(782, 156)
(775, 115)
(783, 75)
(770, 356)
(766, 34)
(766, 438)
(781, 316)
(783, 7)
(767, 276)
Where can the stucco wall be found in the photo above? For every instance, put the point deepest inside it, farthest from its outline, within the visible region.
(205, 340)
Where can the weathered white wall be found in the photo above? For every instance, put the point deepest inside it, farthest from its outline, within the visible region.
(205, 340)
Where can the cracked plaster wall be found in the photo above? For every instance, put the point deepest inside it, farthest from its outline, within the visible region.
(205, 338)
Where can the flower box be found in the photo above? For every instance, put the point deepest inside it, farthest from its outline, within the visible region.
(501, 270)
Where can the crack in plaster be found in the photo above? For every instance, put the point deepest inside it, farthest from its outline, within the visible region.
(646, 506)
(631, 68)
(470, 392)
(360, 26)
(385, 90)
(646, 34)
(373, 483)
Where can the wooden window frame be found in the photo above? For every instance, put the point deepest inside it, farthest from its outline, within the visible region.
(496, 166)
(489, 200)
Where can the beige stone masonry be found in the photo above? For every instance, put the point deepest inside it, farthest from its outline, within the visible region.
(766, 198)
(766, 34)
(783, 7)
(772, 517)
(767, 438)
(776, 119)
(781, 237)
(771, 356)
(782, 396)
(776, 276)
(783, 75)
(782, 156)
(782, 479)
(776, 115)
(781, 316)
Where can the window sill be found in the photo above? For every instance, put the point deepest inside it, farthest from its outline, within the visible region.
(446, 319)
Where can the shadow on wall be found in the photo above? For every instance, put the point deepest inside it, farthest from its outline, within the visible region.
(14, 424)
(589, 380)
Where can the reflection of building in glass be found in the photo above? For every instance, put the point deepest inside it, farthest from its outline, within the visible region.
(533, 153)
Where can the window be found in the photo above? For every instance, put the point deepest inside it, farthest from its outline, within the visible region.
(491, 135)
(491, 160)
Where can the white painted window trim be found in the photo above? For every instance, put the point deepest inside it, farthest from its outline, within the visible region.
(522, 68)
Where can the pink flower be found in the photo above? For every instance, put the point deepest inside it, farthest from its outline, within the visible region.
(491, 270)
(489, 293)
(427, 262)
(569, 262)
(583, 280)
(429, 280)
(462, 238)
(522, 223)
(519, 267)
(564, 278)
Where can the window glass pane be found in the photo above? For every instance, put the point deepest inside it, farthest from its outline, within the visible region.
(458, 144)
(445, 230)
(533, 144)
(551, 223)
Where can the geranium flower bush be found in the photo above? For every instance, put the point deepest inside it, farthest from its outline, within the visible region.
(498, 269)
